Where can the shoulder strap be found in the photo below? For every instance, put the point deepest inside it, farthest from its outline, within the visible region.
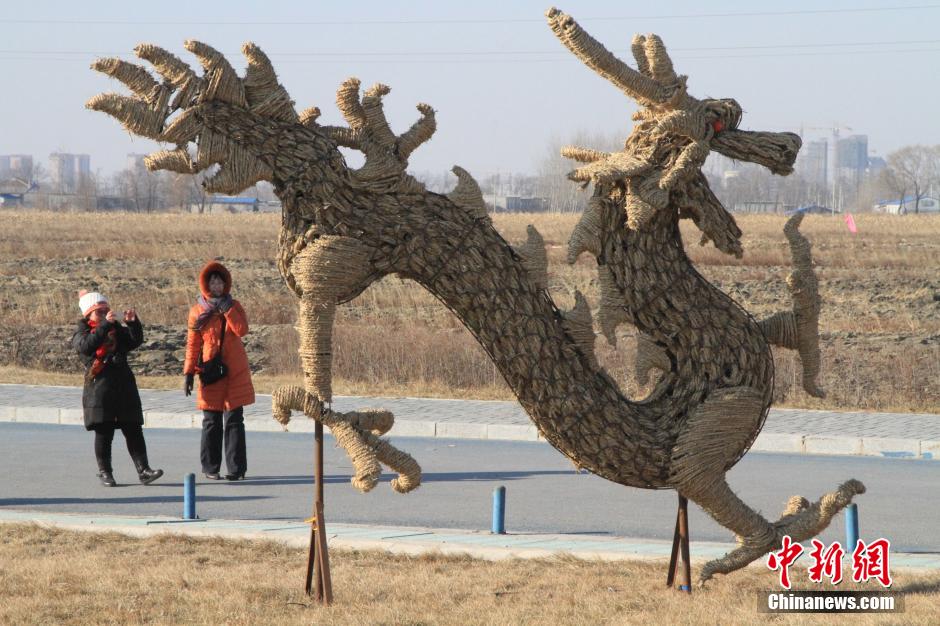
(199, 361)
(222, 336)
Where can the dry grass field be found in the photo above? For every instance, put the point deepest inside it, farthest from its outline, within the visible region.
(58, 577)
(880, 324)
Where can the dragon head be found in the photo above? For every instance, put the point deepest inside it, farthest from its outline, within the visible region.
(659, 168)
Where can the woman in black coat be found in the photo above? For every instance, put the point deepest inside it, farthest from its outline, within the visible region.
(110, 398)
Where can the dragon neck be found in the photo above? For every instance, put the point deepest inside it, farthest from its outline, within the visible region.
(473, 271)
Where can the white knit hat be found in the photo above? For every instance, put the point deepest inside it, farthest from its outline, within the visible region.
(88, 301)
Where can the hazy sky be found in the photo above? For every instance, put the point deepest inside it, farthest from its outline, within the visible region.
(502, 85)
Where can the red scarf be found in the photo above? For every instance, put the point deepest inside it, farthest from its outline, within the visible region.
(101, 354)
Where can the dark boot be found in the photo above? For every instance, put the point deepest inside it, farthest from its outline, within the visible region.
(106, 478)
(104, 433)
(146, 474)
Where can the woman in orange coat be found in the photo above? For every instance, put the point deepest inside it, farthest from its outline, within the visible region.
(218, 322)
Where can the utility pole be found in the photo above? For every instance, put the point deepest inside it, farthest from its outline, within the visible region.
(495, 186)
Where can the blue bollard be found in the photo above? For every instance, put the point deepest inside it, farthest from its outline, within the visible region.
(851, 527)
(499, 511)
(189, 496)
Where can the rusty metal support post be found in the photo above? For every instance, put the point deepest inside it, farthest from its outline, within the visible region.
(319, 582)
(679, 562)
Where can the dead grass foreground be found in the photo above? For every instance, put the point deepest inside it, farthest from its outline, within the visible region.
(53, 576)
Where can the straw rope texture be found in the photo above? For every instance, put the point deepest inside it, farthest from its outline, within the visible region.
(344, 228)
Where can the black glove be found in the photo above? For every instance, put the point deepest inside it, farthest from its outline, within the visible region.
(188, 385)
(225, 303)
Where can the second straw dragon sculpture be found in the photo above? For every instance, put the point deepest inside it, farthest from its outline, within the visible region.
(342, 229)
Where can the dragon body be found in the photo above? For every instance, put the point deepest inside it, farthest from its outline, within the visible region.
(342, 229)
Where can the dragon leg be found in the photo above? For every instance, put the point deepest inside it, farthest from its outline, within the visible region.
(801, 521)
(328, 270)
(718, 430)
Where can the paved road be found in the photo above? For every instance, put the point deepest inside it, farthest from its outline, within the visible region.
(891, 435)
(51, 468)
(828, 423)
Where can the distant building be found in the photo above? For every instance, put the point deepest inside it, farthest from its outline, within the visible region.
(227, 204)
(760, 207)
(852, 153)
(16, 166)
(135, 161)
(62, 170)
(724, 171)
(69, 171)
(908, 205)
(82, 166)
(850, 163)
(812, 163)
(520, 204)
(517, 204)
(876, 165)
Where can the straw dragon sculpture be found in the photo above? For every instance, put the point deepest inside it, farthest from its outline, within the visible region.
(342, 229)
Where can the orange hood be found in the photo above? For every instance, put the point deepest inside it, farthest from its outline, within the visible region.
(213, 267)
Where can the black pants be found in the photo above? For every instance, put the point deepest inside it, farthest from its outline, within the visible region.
(232, 424)
(133, 436)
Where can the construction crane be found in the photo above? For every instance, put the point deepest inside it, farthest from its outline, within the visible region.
(834, 129)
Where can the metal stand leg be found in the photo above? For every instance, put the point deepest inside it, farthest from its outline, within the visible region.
(680, 548)
(319, 583)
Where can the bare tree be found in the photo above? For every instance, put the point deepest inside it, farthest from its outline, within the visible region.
(140, 188)
(913, 169)
(40, 176)
(198, 194)
(563, 195)
(441, 181)
(87, 192)
(177, 191)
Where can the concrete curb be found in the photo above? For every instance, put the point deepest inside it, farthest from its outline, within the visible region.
(786, 443)
(409, 540)
(883, 447)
